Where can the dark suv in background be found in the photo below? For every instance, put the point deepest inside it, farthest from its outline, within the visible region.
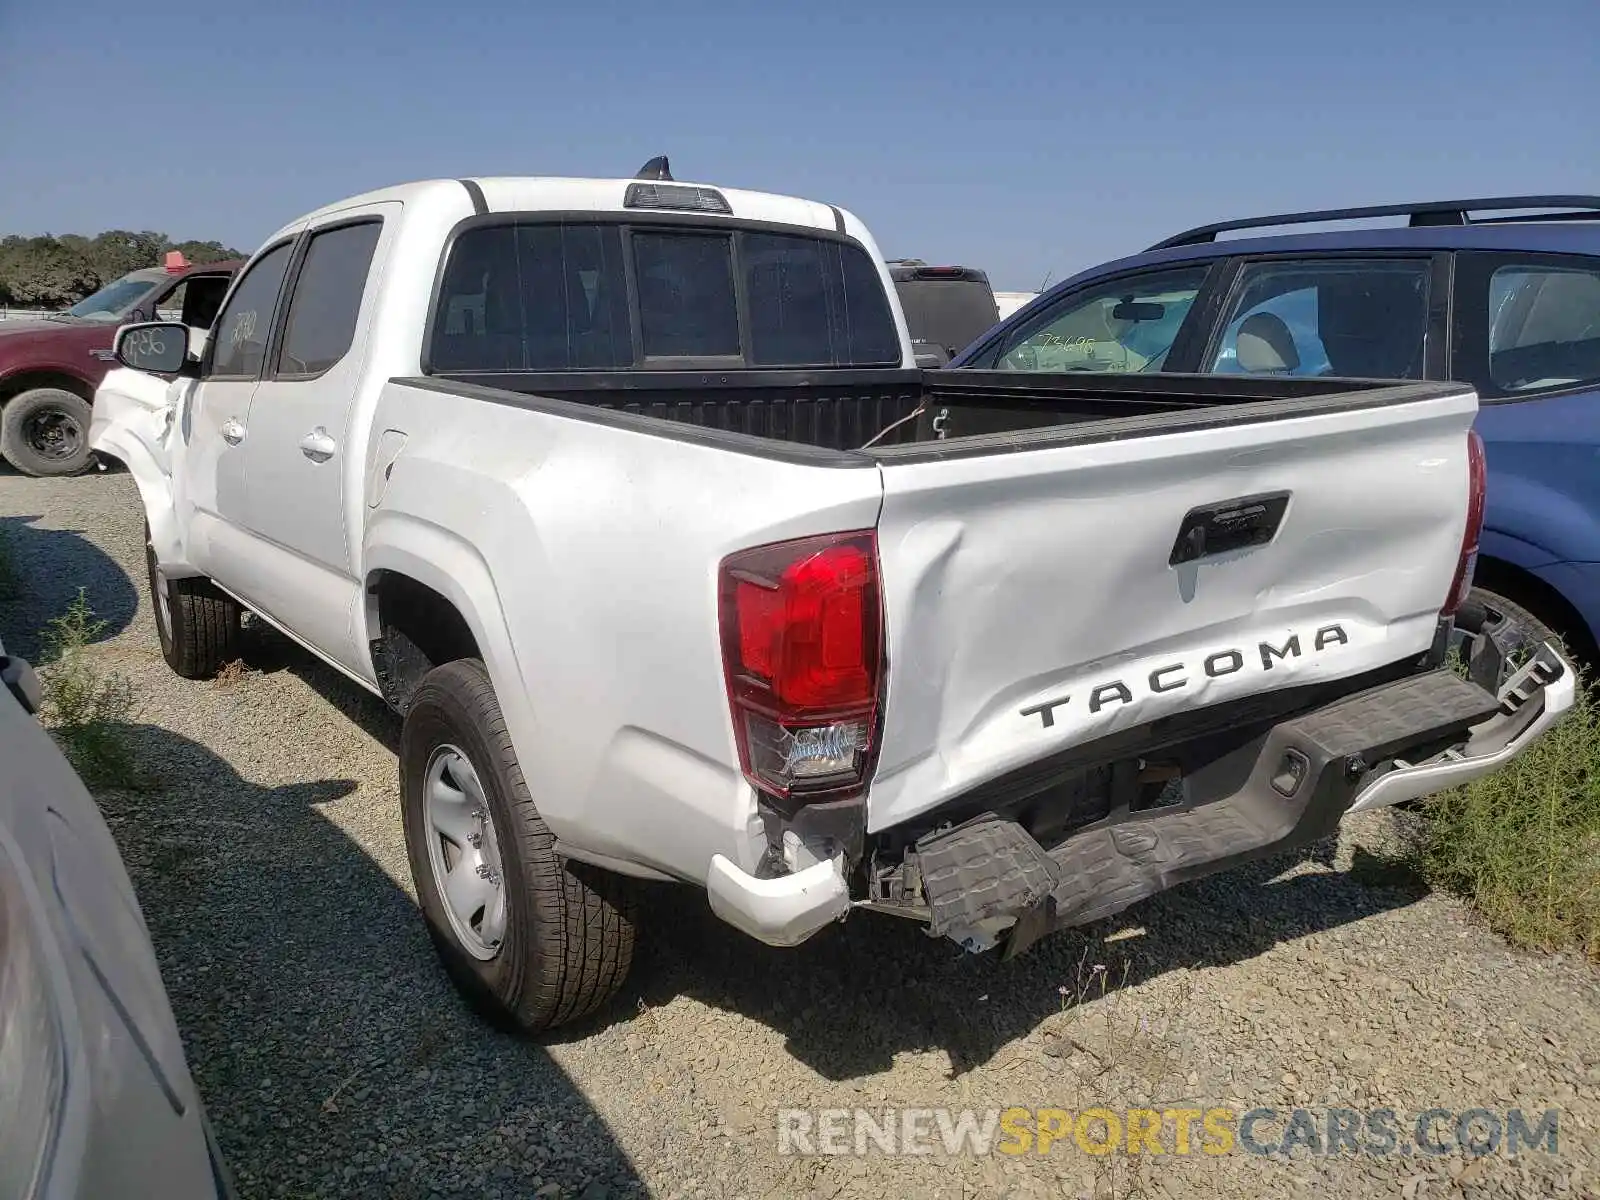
(945, 307)
(1503, 293)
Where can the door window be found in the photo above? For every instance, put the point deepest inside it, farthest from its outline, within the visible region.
(194, 301)
(327, 299)
(240, 344)
(1121, 325)
(1364, 319)
(1544, 327)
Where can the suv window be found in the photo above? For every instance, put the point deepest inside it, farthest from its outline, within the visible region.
(326, 301)
(240, 343)
(1361, 318)
(548, 296)
(1544, 327)
(1123, 325)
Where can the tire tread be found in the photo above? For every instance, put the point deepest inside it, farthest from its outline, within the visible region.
(579, 941)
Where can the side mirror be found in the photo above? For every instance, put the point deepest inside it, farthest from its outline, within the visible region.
(160, 347)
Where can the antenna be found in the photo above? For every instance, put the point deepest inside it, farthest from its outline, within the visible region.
(656, 168)
(1046, 279)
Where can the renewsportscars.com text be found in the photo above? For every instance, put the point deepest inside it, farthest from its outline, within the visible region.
(1378, 1132)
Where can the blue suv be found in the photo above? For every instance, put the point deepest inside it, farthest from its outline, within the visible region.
(1508, 301)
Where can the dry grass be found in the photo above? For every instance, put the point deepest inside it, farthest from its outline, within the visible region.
(86, 706)
(1523, 844)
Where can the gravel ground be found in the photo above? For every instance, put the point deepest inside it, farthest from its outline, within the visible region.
(336, 1061)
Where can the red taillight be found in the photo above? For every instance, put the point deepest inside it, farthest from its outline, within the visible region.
(802, 645)
(1477, 486)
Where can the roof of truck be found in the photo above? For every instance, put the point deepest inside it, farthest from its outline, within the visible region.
(548, 193)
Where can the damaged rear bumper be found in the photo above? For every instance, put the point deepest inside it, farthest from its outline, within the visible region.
(784, 910)
(987, 880)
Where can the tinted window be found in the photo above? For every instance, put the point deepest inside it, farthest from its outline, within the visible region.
(811, 304)
(543, 297)
(550, 297)
(1120, 326)
(950, 313)
(873, 339)
(1544, 327)
(327, 298)
(240, 341)
(1367, 319)
(686, 302)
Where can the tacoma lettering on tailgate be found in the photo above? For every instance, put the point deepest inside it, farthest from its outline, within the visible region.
(1177, 676)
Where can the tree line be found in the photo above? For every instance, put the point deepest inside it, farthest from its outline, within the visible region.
(52, 272)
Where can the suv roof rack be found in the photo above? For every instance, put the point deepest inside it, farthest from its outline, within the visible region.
(1435, 212)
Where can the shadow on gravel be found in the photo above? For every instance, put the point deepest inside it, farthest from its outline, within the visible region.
(333, 1055)
(48, 567)
(856, 995)
(266, 650)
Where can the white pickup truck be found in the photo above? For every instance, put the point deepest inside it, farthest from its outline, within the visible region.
(626, 495)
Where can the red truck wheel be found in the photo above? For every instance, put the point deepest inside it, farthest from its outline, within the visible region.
(46, 432)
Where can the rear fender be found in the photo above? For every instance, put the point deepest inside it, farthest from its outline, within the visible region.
(454, 568)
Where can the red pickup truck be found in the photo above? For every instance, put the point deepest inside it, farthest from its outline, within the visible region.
(50, 368)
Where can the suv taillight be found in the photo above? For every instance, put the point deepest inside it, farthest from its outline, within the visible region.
(1477, 485)
(802, 646)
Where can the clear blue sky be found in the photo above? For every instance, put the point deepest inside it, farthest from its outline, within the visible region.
(1023, 138)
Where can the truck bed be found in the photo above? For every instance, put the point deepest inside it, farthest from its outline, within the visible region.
(844, 410)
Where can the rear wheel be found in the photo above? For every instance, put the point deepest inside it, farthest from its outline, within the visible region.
(198, 626)
(530, 939)
(45, 431)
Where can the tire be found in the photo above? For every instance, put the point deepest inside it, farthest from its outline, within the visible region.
(197, 625)
(561, 941)
(46, 432)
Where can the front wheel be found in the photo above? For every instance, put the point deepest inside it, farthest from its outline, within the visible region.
(530, 939)
(197, 625)
(45, 431)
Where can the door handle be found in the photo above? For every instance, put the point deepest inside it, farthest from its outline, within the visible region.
(317, 445)
(232, 432)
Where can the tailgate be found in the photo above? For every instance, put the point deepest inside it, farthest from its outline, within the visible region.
(1045, 589)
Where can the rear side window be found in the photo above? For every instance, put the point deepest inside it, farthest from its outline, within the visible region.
(327, 299)
(1544, 327)
(607, 296)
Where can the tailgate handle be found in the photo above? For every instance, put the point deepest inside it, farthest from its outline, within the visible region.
(1228, 525)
